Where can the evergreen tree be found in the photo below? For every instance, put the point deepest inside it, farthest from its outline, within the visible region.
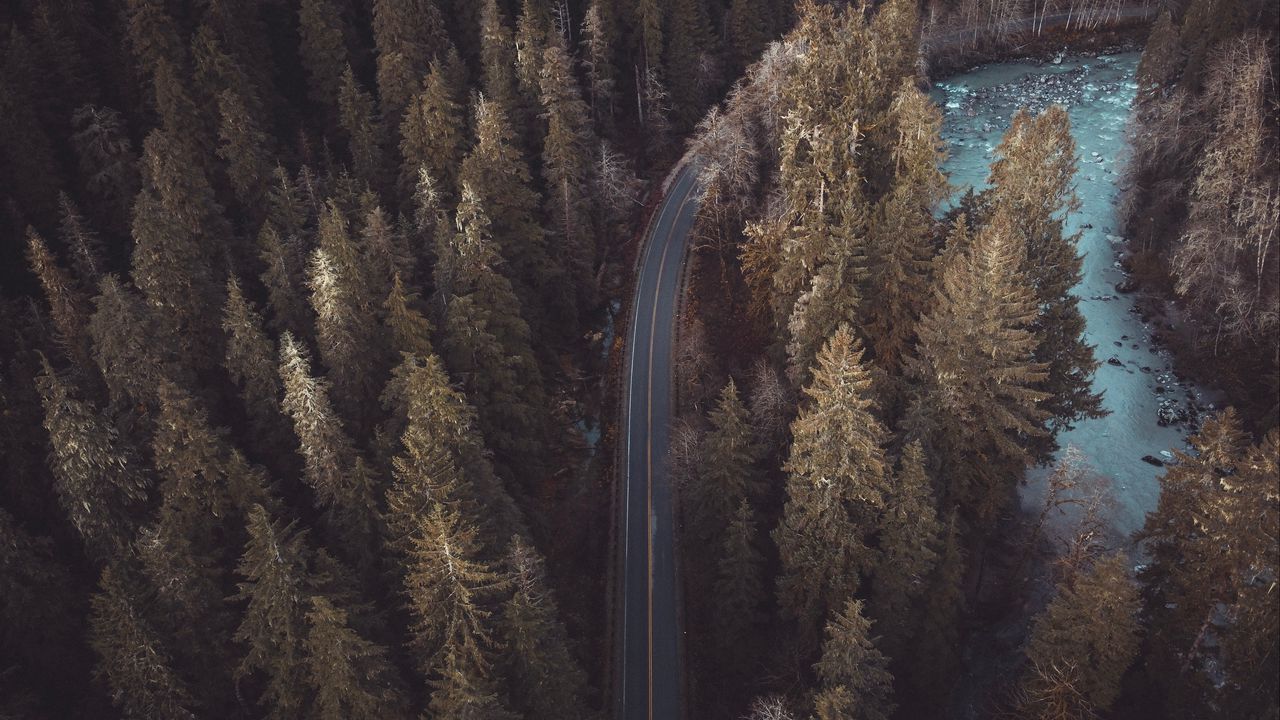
(107, 160)
(548, 683)
(740, 581)
(933, 660)
(357, 115)
(1090, 629)
(497, 58)
(452, 593)
(687, 57)
(1210, 538)
(1161, 57)
(133, 353)
(978, 402)
(42, 609)
(66, 305)
(487, 343)
(343, 483)
(649, 19)
(567, 171)
(281, 275)
(99, 479)
(498, 175)
(350, 676)
(1032, 178)
(431, 135)
(600, 37)
(153, 35)
(729, 473)
(324, 53)
(244, 146)
(250, 362)
(88, 255)
(750, 30)
(409, 329)
(901, 236)
(836, 487)
(534, 34)
(134, 661)
(407, 35)
(910, 535)
(182, 119)
(854, 676)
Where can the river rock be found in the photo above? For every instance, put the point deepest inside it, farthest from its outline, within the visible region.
(1152, 460)
(1113, 360)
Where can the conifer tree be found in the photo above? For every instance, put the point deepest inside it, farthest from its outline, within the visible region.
(343, 298)
(133, 353)
(978, 400)
(650, 21)
(487, 342)
(68, 308)
(106, 158)
(431, 134)
(407, 35)
(498, 58)
(740, 582)
(900, 240)
(359, 120)
(933, 660)
(548, 683)
(534, 34)
(831, 300)
(410, 331)
(42, 608)
(350, 676)
(135, 663)
(99, 479)
(153, 35)
(689, 49)
(452, 594)
(1210, 536)
(1032, 178)
(750, 30)
(250, 362)
(1160, 57)
(182, 119)
(384, 250)
(566, 170)
(281, 275)
(836, 487)
(342, 481)
(1090, 630)
(498, 175)
(600, 37)
(88, 255)
(324, 52)
(244, 146)
(854, 675)
(729, 455)
(910, 535)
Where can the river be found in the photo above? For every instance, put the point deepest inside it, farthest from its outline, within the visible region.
(1136, 374)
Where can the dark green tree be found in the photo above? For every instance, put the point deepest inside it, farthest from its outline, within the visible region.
(431, 134)
(854, 677)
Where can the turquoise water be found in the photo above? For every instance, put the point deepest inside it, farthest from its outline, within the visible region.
(1097, 92)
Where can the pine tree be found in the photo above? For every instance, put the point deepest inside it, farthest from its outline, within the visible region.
(1161, 57)
(324, 52)
(548, 683)
(729, 474)
(534, 34)
(68, 308)
(409, 329)
(854, 676)
(407, 35)
(933, 661)
(910, 535)
(650, 21)
(88, 255)
(1091, 630)
(567, 171)
(343, 297)
(250, 362)
(42, 609)
(740, 581)
(750, 30)
(133, 353)
(497, 58)
(153, 35)
(182, 119)
(343, 483)
(831, 301)
(978, 401)
(1032, 178)
(244, 145)
(836, 487)
(600, 33)
(498, 175)
(689, 50)
(275, 572)
(134, 661)
(452, 594)
(107, 160)
(1210, 537)
(431, 135)
(900, 239)
(281, 275)
(99, 479)
(350, 676)
(487, 343)
(360, 122)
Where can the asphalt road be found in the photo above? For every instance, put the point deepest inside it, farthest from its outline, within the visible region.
(650, 661)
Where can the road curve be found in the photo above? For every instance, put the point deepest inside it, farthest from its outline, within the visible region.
(650, 653)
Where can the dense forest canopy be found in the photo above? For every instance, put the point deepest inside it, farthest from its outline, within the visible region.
(308, 349)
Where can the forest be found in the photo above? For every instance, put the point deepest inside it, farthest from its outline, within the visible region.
(311, 336)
